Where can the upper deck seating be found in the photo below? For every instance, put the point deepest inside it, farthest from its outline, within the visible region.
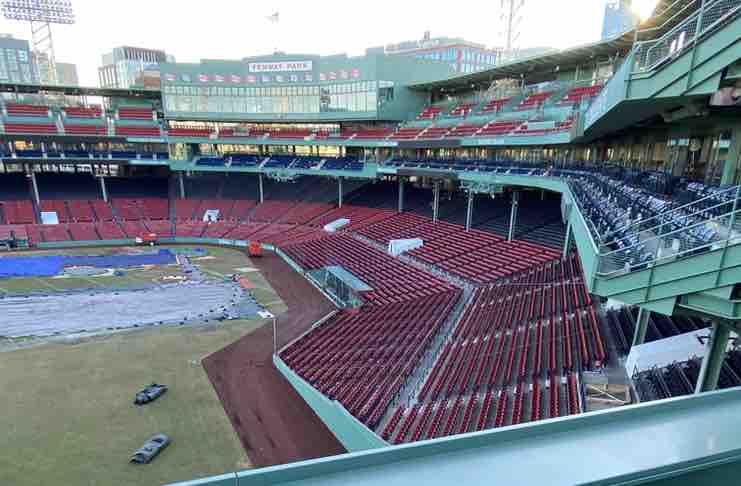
(433, 132)
(31, 128)
(135, 113)
(494, 106)
(89, 129)
(429, 113)
(577, 94)
(25, 110)
(463, 130)
(244, 160)
(93, 111)
(291, 134)
(372, 133)
(342, 163)
(461, 110)
(190, 132)
(138, 131)
(406, 133)
(533, 101)
(499, 128)
(211, 161)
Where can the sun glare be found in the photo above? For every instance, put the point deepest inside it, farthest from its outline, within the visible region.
(644, 8)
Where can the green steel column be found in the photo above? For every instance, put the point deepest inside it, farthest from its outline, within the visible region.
(34, 187)
(436, 201)
(401, 195)
(103, 189)
(713, 360)
(733, 158)
(339, 187)
(469, 211)
(182, 185)
(513, 216)
(639, 335)
(262, 194)
(698, 32)
(567, 240)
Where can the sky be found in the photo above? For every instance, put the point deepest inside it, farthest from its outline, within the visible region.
(232, 29)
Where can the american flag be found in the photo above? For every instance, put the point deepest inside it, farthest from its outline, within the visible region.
(309, 78)
(332, 75)
(170, 77)
(355, 73)
(203, 78)
(343, 74)
(236, 78)
(278, 78)
(322, 77)
(218, 78)
(265, 78)
(294, 78)
(251, 79)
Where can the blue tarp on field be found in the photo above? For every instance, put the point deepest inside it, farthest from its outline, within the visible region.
(48, 266)
(163, 257)
(41, 266)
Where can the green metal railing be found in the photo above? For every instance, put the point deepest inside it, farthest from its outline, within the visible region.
(701, 209)
(709, 234)
(651, 54)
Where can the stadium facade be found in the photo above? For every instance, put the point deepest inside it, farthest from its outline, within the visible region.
(637, 138)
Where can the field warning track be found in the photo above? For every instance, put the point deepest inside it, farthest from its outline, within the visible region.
(273, 422)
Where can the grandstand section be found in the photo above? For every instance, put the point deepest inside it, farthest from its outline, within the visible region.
(506, 263)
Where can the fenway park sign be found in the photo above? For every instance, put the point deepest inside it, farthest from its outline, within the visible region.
(274, 67)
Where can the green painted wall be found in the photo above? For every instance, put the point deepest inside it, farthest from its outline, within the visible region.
(399, 70)
(354, 435)
(699, 436)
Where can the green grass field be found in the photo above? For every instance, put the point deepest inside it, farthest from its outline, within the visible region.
(67, 414)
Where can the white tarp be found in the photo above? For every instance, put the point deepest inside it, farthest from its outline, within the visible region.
(336, 224)
(667, 351)
(210, 215)
(49, 217)
(397, 247)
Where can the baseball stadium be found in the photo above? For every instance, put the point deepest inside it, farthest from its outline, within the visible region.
(381, 269)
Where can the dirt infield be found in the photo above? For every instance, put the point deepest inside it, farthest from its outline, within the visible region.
(273, 422)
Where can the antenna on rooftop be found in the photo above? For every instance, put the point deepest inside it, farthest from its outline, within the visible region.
(510, 19)
(41, 14)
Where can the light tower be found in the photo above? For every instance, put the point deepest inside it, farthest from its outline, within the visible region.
(510, 19)
(41, 14)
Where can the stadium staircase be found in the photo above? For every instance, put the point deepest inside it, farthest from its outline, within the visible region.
(688, 61)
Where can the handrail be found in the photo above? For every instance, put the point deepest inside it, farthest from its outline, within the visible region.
(680, 211)
(683, 34)
(614, 262)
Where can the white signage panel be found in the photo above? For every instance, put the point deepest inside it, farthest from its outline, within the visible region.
(282, 66)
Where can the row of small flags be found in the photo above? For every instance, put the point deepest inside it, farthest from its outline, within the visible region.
(278, 78)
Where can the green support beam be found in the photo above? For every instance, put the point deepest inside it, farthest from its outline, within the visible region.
(639, 335)
(469, 211)
(401, 195)
(714, 357)
(567, 241)
(513, 216)
(436, 201)
(181, 183)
